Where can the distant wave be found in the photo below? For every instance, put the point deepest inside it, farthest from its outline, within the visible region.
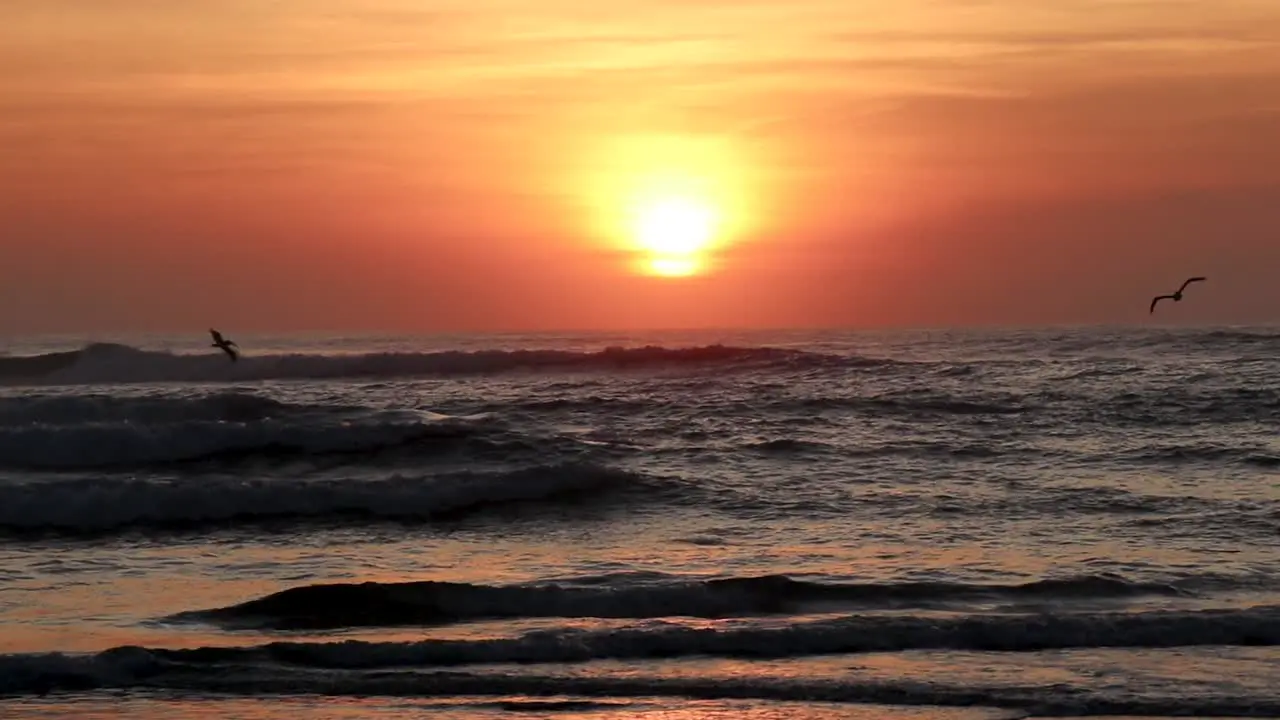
(788, 446)
(340, 667)
(932, 404)
(91, 506)
(348, 605)
(67, 433)
(77, 409)
(112, 363)
(123, 433)
(1178, 454)
(1237, 336)
(36, 366)
(56, 432)
(1222, 338)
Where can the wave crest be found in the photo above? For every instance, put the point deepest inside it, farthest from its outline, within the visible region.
(135, 667)
(78, 409)
(371, 604)
(110, 363)
(101, 433)
(212, 667)
(85, 507)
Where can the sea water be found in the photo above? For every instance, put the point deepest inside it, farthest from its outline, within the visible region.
(940, 524)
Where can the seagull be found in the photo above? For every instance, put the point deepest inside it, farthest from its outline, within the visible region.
(1176, 297)
(225, 345)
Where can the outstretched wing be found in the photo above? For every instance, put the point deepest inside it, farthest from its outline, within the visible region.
(217, 336)
(1156, 301)
(1191, 280)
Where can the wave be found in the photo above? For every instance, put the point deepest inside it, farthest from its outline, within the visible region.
(915, 404)
(371, 604)
(1240, 336)
(1181, 454)
(133, 669)
(787, 446)
(1254, 627)
(123, 443)
(1193, 339)
(261, 668)
(105, 432)
(1184, 407)
(77, 409)
(93, 507)
(113, 363)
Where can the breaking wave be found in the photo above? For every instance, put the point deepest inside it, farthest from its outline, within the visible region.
(112, 363)
(418, 668)
(102, 432)
(128, 446)
(134, 668)
(371, 604)
(90, 506)
(77, 409)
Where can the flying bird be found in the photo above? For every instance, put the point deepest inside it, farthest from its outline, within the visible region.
(227, 346)
(1177, 296)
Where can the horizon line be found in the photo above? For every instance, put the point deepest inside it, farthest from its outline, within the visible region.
(337, 333)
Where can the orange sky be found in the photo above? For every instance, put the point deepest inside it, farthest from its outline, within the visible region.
(465, 164)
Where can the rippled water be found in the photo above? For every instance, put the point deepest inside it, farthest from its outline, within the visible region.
(1049, 522)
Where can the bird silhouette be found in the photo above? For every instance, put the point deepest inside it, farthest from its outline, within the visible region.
(1177, 296)
(227, 346)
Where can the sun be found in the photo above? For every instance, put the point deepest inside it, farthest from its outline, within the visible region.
(674, 232)
(673, 265)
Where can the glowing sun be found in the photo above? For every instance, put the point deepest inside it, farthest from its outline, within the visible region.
(674, 226)
(674, 232)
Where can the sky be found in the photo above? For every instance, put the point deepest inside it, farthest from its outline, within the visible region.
(478, 165)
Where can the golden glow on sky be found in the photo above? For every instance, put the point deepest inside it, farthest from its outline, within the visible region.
(561, 165)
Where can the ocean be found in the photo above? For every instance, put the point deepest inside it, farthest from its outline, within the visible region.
(677, 526)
